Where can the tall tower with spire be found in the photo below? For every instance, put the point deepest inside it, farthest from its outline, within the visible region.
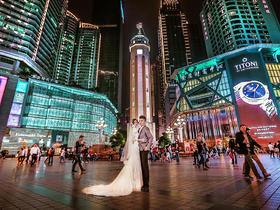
(140, 76)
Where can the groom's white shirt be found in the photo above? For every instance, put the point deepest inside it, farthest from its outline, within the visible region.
(139, 131)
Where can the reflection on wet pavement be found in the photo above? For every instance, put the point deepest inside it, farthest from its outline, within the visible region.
(173, 186)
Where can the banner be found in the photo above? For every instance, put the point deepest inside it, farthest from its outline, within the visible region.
(3, 83)
(254, 100)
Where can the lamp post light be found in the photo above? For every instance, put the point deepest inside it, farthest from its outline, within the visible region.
(180, 122)
(114, 132)
(101, 126)
(170, 131)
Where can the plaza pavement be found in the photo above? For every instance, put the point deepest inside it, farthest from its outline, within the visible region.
(172, 186)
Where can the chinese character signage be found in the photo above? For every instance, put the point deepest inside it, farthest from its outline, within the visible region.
(254, 99)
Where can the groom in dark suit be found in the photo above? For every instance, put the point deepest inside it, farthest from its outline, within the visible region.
(145, 140)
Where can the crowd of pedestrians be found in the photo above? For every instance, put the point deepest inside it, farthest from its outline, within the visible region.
(274, 149)
(242, 144)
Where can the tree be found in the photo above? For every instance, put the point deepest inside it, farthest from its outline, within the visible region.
(118, 139)
(164, 140)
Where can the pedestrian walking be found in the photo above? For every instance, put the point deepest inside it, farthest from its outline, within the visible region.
(271, 149)
(202, 151)
(254, 156)
(275, 149)
(34, 152)
(21, 156)
(62, 156)
(120, 152)
(243, 143)
(27, 154)
(195, 153)
(278, 151)
(177, 151)
(78, 155)
(233, 153)
(50, 155)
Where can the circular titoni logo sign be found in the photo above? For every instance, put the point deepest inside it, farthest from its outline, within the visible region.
(246, 65)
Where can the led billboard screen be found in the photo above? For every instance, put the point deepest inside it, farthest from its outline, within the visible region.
(13, 120)
(254, 100)
(3, 83)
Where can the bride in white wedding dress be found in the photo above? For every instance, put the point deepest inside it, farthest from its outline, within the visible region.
(130, 177)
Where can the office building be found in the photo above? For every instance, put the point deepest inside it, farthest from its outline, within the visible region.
(110, 18)
(174, 42)
(64, 58)
(29, 32)
(86, 57)
(229, 25)
(175, 47)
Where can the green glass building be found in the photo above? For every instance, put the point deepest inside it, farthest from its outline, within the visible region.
(57, 107)
(29, 32)
(64, 58)
(232, 24)
(37, 111)
(86, 57)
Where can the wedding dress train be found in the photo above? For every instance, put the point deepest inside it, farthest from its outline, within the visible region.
(130, 177)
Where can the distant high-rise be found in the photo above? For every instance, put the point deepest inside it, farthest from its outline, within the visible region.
(140, 76)
(109, 68)
(110, 18)
(29, 32)
(174, 41)
(86, 57)
(175, 48)
(229, 25)
(63, 63)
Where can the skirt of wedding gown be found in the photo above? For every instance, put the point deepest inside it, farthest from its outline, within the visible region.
(128, 180)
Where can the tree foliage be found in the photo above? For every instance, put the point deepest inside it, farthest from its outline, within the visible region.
(118, 139)
(164, 140)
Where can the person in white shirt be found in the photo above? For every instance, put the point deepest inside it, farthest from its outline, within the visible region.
(21, 156)
(271, 149)
(34, 152)
(62, 155)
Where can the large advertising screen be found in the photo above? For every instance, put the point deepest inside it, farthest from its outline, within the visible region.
(3, 83)
(254, 100)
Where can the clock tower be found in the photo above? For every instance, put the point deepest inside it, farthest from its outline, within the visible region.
(140, 76)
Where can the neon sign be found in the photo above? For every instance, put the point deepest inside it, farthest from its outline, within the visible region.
(3, 83)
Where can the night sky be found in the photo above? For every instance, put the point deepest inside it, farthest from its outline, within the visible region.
(145, 11)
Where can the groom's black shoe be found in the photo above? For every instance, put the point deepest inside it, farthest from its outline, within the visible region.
(144, 189)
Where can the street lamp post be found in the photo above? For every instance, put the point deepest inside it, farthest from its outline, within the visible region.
(170, 131)
(180, 122)
(101, 126)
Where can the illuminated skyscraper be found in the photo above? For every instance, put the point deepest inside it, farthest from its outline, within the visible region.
(86, 57)
(229, 25)
(110, 19)
(140, 76)
(174, 37)
(175, 48)
(64, 58)
(29, 32)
